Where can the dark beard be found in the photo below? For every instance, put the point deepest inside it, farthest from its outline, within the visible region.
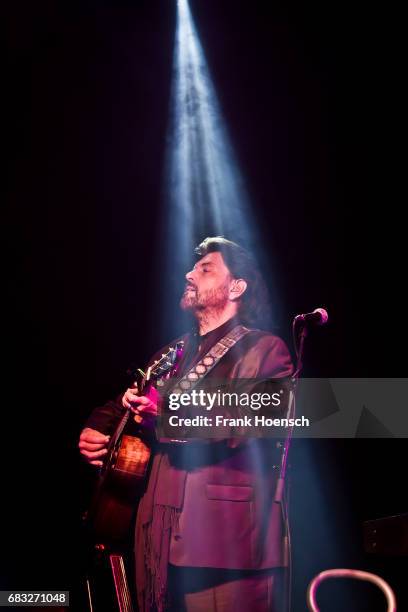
(212, 299)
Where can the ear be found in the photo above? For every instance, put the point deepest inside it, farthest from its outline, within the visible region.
(238, 287)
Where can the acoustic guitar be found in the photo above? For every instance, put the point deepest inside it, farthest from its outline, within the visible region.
(122, 476)
(121, 481)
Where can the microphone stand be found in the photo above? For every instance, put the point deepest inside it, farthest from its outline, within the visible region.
(282, 492)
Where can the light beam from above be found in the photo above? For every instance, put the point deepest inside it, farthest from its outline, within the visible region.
(204, 191)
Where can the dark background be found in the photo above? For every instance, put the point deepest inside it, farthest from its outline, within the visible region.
(310, 95)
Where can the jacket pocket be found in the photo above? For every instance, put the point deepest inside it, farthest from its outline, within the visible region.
(229, 492)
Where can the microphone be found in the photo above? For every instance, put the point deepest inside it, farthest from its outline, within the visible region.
(318, 317)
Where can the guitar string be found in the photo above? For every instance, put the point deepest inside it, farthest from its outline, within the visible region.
(125, 585)
(121, 585)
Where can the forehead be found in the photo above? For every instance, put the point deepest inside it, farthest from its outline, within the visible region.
(214, 260)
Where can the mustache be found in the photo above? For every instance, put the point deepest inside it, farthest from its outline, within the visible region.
(190, 286)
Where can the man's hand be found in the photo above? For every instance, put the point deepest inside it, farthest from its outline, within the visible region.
(142, 405)
(92, 444)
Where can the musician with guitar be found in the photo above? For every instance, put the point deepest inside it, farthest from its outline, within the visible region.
(208, 533)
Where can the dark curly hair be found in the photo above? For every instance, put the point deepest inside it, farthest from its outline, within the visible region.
(254, 304)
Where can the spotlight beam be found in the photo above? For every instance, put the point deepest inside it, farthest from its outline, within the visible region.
(204, 191)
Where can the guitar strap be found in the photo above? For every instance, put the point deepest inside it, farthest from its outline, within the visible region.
(210, 359)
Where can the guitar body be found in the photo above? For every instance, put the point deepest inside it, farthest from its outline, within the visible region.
(117, 494)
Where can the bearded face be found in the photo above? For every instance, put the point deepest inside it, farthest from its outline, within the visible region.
(212, 299)
(208, 285)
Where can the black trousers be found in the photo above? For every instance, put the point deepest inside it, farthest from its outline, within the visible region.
(219, 590)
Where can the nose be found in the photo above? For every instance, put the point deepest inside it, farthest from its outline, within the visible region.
(189, 276)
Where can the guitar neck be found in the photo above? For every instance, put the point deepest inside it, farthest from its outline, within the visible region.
(120, 428)
(159, 368)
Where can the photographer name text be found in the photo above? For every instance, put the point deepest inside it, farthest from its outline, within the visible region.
(246, 421)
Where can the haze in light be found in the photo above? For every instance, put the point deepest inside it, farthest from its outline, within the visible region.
(204, 189)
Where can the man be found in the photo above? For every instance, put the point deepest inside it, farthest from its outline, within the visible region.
(208, 532)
